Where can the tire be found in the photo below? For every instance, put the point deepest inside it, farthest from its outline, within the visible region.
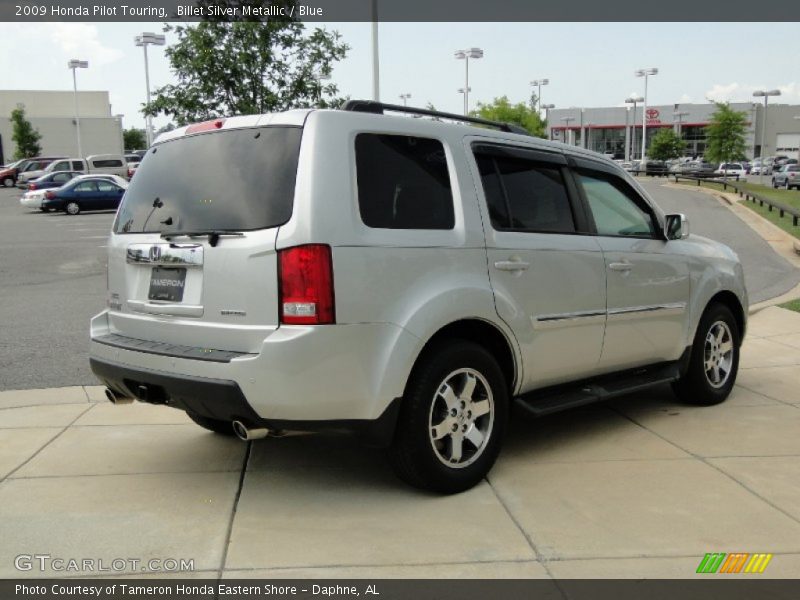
(425, 461)
(44, 209)
(774, 184)
(72, 208)
(703, 387)
(215, 425)
(8, 182)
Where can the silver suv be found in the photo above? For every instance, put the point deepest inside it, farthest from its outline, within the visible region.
(406, 279)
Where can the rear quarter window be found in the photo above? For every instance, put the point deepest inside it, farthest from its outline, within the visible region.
(403, 182)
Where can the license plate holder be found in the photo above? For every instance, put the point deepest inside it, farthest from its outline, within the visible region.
(167, 283)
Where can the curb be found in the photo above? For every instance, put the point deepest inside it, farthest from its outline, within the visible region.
(796, 247)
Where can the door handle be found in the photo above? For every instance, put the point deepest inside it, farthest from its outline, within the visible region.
(511, 265)
(620, 266)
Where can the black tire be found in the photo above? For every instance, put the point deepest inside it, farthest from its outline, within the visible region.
(415, 456)
(72, 208)
(774, 184)
(696, 387)
(215, 425)
(8, 182)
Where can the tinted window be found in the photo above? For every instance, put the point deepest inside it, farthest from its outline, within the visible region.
(524, 195)
(106, 163)
(61, 166)
(77, 165)
(246, 182)
(105, 186)
(614, 205)
(62, 177)
(403, 182)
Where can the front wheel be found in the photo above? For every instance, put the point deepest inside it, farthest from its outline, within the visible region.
(453, 419)
(714, 359)
(8, 182)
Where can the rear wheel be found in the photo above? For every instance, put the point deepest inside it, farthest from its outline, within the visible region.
(453, 419)
(215, 425)
(714, 360)
(72, 208)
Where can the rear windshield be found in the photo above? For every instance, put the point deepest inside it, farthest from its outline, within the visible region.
(239, 180)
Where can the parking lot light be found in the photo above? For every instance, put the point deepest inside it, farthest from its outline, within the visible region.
(465, 55)
(404, 98)
(567, 130)
(645, 73)
(764, 94)
(144, 40)
(75, 64)
(633, 99)
(538, 83)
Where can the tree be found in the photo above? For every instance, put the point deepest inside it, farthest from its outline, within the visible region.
(240, 67)
(24, 135)
(666, 144)
(134, 139)
(520, 113)
(726, 134)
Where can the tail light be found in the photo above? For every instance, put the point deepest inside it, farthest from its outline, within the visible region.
(305, 279)
(32, 186)
(49, 195)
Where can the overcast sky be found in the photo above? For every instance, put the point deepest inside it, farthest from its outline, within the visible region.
(588, 64)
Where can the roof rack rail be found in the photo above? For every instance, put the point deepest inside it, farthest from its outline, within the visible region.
(378, 108)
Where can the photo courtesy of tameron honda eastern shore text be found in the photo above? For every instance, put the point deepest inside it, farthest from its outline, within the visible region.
(405, 279)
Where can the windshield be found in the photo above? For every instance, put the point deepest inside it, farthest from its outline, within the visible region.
(238, 180)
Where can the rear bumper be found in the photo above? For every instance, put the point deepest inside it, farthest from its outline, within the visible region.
(223, 400)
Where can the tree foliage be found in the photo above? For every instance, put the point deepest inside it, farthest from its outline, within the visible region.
(726, 134)
(665, 145)
(24, 135)
(240, 67)
(134, 139)
(520, 113)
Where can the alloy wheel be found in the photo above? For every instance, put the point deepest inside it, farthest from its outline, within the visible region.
(718, 354)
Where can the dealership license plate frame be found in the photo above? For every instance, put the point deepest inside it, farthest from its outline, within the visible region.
(170, 292)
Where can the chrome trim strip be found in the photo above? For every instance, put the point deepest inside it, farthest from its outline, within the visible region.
(152, 308)
(573, 315)
(167, 255)
(672, 306)
(586, 317)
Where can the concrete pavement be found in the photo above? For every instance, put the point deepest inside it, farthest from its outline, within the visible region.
(639, 487)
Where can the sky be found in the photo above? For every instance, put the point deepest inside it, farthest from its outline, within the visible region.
(588, 64)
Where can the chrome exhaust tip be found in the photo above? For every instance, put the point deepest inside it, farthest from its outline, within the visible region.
(116, 398)
(243, 432)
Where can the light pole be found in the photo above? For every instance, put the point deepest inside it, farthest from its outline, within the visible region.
(567, 130)
(538, 83)
(144, 40)
(376, 63)
(678, 119)
(465, 55)
(633, 99)
(645, 73)
(764, 94)
(404, 98)
(75, 64)
(547, 108)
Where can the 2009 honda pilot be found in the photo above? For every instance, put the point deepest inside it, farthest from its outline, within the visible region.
(403, 278)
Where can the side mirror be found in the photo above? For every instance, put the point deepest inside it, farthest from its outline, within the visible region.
(677, 227)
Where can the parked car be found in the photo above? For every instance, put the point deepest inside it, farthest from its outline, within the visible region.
(52, 180)
(788, 177)
(732, 169)
(67, 164)
(340, 281)
(132, 158)
(23, 168)
(8, 173)
(132, 166)
(96, 164)
(82, 194)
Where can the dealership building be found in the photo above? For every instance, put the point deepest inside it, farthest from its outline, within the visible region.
(52, 113)
(617, 130)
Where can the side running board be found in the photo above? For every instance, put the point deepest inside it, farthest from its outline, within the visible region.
(563, 397)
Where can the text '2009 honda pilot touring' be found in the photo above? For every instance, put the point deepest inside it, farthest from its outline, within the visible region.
(403, 278)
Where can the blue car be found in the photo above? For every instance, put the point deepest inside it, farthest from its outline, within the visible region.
(84, 194)
(52, 180)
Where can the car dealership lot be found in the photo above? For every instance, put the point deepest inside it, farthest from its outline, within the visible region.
(639, 487)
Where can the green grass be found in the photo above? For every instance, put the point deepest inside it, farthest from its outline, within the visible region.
(789, 198)
(792, 305)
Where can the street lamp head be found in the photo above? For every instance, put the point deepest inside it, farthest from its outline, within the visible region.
(760, 93)
(461, 90)
(538, 82)
(78, 64)
(405, 96)
(645, 72)
(148, 37)
(460, 54)
(633, 99)
(548, 106)
(475, 53)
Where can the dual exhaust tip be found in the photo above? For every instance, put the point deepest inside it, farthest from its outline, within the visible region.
(242, 430)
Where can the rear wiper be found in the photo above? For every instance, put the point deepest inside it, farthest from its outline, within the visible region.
(213, 234)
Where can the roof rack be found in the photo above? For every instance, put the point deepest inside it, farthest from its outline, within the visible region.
(378, 108)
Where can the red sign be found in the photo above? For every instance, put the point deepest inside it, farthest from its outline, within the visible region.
(652, 113)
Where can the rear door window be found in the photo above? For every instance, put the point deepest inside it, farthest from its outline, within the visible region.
(525, 195)
(403, 182)
(86, 186)
(236, 179)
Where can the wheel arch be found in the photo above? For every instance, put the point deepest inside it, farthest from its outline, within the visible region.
(731, 301)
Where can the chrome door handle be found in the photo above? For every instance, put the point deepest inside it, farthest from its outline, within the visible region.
(620, 266)
(511, 265)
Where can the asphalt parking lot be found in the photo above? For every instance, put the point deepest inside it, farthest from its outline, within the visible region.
(53, 274)
(639, 487)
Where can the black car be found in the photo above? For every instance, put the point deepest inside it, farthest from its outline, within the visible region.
(656, 168)
(52, 180)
